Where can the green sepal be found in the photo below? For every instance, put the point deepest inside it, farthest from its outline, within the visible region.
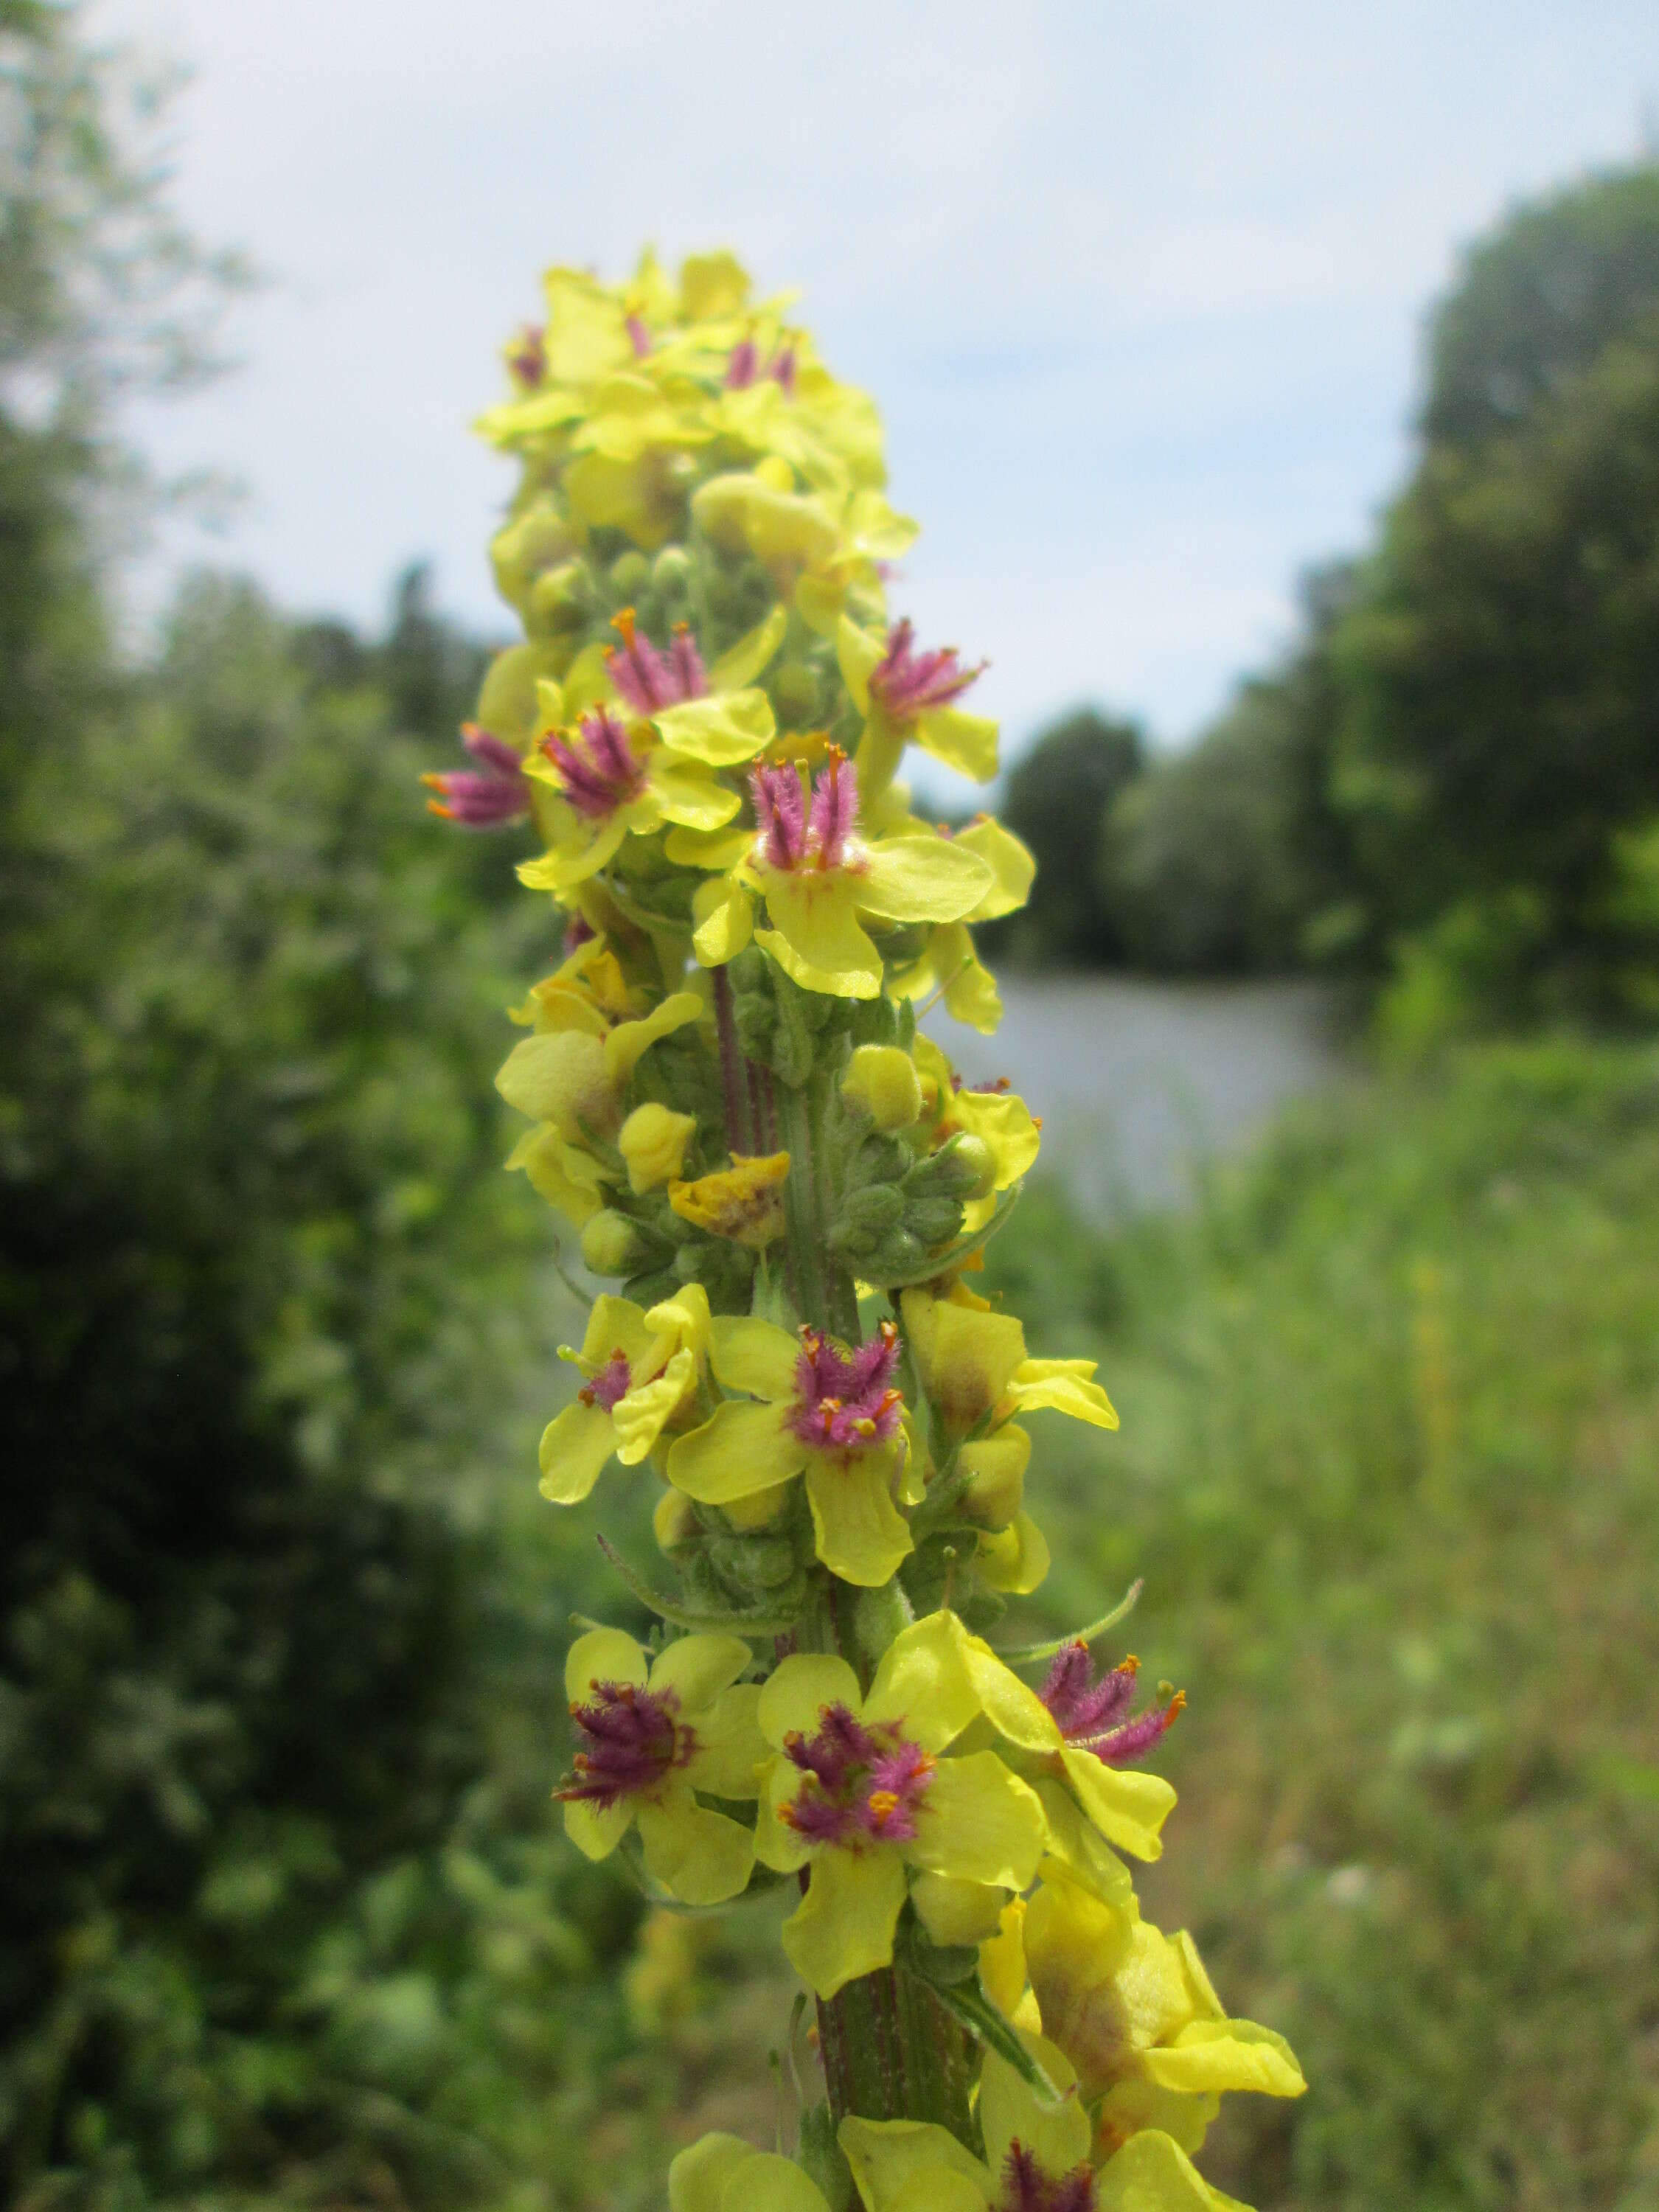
(823, 2159)
(739, 1621)
(1028, 1654)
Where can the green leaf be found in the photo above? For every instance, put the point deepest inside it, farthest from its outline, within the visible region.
(741, 1622)
(1028, 1654)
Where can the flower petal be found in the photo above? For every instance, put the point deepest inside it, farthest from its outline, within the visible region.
(1152, 2173)
(697, 1668)
(697, 2177)
(740, 664)
(744, 1449)
(725, 917)
(922, 879)
(843, 1927)
(957, 1911)
(771, 2183)
(1066, 1386)
(859, 655)
(756, 1356)
(638, 1415)
(721, 729)
(729, 1750)
(815, 935)
(967, 742)
(1014, 1559)
(980, 1822)
(1127, 1805)
(923, 1680)
(575, 1446)
(603, 1655)
(628, 1040)
(1057, 2138)
(1012, 865)
(691, 799)
(857, 1531)
(596, 1830)
(887, 2157)
(700, 1857)
(776, 1843)
(797, 1693)
(1076, 1846)
(1210, 2055)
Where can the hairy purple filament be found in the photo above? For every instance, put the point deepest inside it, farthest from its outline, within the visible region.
(598, 770)
(614, 1380)
(841, 1403)
(649, 680)
(528, 359)
(862, 1784)
(792, 837)
(486, 798)
(631, 1740)
(1027, 2188)
(1091, 1712)
(638, 336)
(743, 367)
(907, 683)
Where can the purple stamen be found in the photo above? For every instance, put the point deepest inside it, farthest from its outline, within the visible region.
(638, 336)
(487, 800)
(843, 1404)
(630, 1741)
(906, 682)
(614, 1380)
(835, 809)
(597, 769)
(862, 1784)
(649, 680)
(780, 811)
(1089, 1712)
(527, 362)
(744, 366)
(1027, 2188)
(782, 370)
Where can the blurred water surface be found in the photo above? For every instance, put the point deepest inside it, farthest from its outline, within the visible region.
(1139, 1083)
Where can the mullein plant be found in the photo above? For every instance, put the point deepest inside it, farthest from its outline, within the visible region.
(729, 1095)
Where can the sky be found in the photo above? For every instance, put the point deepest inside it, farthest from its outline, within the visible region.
(1138, 284)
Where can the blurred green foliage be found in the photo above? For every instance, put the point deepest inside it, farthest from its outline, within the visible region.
(1390, 1405)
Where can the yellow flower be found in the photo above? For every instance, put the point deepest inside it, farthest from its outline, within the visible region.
(612, 783)
(859, 1796)
(642, 1370)
(572, 1074)
(904, 694)
(653, 1142)
(723, 2174)
(821, 879)
(811, 1409)
(951, 963)
(744, 1202)
(653, 1734)
(1136, 2013)
(881, 1081)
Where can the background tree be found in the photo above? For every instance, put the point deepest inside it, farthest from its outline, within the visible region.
(1056, 798)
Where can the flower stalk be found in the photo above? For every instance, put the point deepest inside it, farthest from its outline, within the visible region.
(787, 1191)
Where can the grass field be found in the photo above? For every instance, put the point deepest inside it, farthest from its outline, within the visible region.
(1389, 1465)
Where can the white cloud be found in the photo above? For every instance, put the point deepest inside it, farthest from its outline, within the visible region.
(1138, 282)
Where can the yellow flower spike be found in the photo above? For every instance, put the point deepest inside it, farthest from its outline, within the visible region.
(640, 1369)
(573, 1078)
(653, 1142)
(811, 1411)
(651, 1736)
(744, 1202)
(859, 1792)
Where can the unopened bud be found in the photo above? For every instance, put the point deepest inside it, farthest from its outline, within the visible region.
(934, 1217)
(628, 573)
(610, 1242)
(674, 1521)
(881, 1081)
(653, 1141)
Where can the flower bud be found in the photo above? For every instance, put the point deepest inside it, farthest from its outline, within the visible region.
(671, 570)
(653, 1141)
(972, 1167)
(629, 573)
(881, 1081)
(933, 1218)
(610, 1242)
(674, 1521)
(795, 692)
(995, 1468)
